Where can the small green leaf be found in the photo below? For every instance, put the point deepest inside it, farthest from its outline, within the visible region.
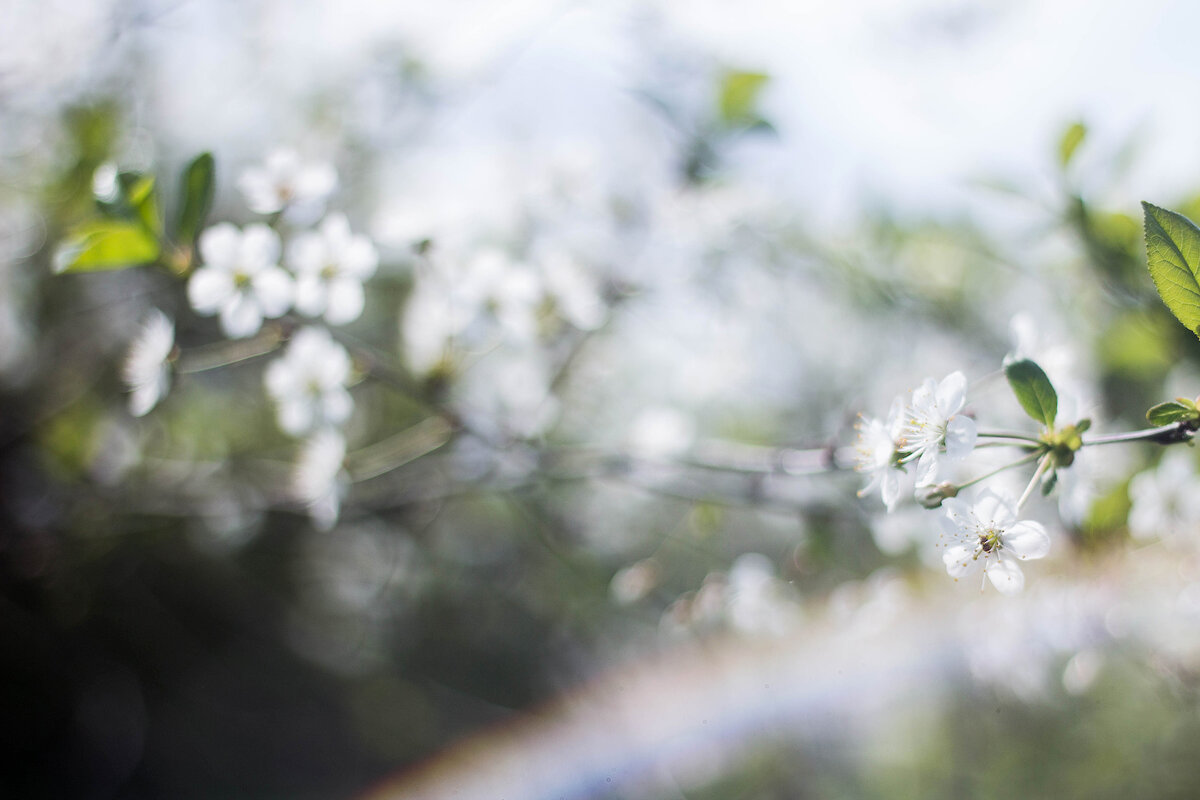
(107, 244)
(139, 191)
(739, 96)
(196, 199)
(1173, 255)
(1033, 389)
(1171, 411)
(1071, 139)
(1049, 481)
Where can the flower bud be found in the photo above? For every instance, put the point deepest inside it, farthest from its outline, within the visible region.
(932, 496)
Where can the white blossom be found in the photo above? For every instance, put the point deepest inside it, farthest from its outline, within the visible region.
(146, 370)
(877, 454)
(318, 478)
(988, 536)
(285, 183)
(934, 427)
(308, 383)
(241, 279)
(571, 290)
(330, 265)
(510, 290)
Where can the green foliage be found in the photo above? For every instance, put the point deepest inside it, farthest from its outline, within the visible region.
(1137, 344)
(1033, 389)
(1173, 255)
(196, 199)
(105, 245)
(138, 191)
(1072, 137)
(737, 101)
(1177, 410)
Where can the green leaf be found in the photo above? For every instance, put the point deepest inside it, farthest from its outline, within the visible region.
(1173, 254)
(738, 97)
(197, 196)
(139, 191)
(107, 244)
(1172, 411)
(1071, 139)
(1033, 389)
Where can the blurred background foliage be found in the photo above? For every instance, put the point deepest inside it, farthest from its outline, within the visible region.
(176, 626)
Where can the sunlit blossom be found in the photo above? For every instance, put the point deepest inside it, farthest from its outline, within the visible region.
(877, 454)
(241, 279)
(308, 383)
(934, 426)
(146, 370)
(286, 183)
(988, 536)
(330, 265)
(318, 477)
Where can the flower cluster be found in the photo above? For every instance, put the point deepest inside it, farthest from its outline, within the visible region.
(242, 279)
(929, 429)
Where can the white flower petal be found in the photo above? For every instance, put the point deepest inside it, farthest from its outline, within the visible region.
(960, 437)
(240, 317)
(359, 258)
(1006, 576)
(994, 510)
(259, 248)
(960, 561)
(273, 291)
(316, 181)
(310, 295)
(952, 394)
(337, 405)
(209, 289)
(924, 397)
(259, 191)
(295, 415)
(335, 229)
(280, 380)
(345, 301)
(895, 418)
(1026, 540)
(951, 529)
(145, 397)
(927, 467)
(958, 510)
(307, 254)
(219, 246)
(890, 489)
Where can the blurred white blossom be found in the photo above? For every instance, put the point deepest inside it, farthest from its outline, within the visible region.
(758, 602)
(661, 432)
(330, 265)
(146, 370)
(318, 478)
(241, 278)
(286, 183)
(1165, 501)
(572, 292)
(308, 383)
